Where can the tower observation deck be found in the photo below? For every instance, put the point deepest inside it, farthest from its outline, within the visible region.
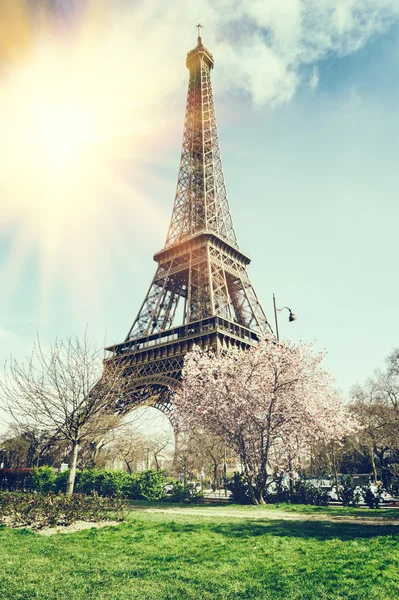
(201, 293)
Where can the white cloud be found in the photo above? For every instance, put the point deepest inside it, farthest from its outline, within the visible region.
(259, 47)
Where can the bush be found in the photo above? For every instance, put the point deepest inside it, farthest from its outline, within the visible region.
(305, 492)
(180, 493)
(15, 479)
(239, 489)
(347, 491)
(147, 485)
(151, 484)
(372, 495)
(43, 480)
(39, 510)
(60, 484)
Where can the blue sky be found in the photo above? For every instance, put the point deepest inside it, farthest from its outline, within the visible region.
(309, 147)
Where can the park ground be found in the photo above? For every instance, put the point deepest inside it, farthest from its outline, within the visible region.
(165, 552)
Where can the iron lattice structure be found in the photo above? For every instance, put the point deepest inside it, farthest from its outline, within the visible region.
(201, 280)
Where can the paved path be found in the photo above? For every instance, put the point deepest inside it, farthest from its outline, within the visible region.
(272, 515)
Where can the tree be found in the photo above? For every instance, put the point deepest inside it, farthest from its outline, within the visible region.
(187, 461)
(24, 447)
(375, 404)
(62, 393)
(268, 403)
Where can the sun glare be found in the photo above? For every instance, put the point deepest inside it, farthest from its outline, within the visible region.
(77, 129)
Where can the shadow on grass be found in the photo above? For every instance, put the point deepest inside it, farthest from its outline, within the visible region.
(317, 530)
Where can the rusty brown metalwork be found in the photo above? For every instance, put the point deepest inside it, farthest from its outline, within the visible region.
(201, 279)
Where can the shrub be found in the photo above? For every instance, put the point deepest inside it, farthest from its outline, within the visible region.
(15, 479)
(151, 484)
(60, 483)
(372, 496)
(39, 510)
(147, 485)
(305, 492)
(346, 490)
(43, 479)
(239, 489)
(181, 493)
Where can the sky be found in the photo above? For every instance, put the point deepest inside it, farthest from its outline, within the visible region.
(92, 98)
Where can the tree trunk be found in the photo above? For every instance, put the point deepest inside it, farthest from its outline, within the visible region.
(375, 476)
(291, 477)
(72, 469)
(381, 458)
(129, 468)
(252, 491)
(260, 498)
(335, 472)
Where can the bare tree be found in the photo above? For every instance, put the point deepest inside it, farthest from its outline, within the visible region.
(127, 447)
(24, 447)
(376, 406)
(62, 392)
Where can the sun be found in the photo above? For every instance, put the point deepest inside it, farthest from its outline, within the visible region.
(78, 128)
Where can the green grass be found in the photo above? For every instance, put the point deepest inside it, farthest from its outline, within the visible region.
(161, 556)
(386, 513)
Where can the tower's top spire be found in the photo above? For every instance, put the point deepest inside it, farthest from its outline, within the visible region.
(199, 53)
(201, 204)
(199, 27)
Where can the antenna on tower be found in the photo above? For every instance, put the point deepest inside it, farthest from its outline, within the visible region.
(199, 27)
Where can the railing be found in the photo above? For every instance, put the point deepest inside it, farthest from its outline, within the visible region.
(186, 332)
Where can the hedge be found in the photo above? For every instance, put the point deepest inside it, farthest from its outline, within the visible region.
(37, 510)
(16, 479)
(147, 485)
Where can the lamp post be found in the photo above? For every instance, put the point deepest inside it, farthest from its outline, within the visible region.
(291, 317)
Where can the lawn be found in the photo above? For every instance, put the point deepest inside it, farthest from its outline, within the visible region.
(343, 511)
(161, 556)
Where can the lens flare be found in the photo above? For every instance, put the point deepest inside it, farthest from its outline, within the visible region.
(79, 121)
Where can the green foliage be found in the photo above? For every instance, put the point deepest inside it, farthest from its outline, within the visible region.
(347, 491)
(151, 484)
(186, 494)
(147, 485)
(43, 480)
(372, 497)
(305, 492)
(39, 510)
(239, 489)
(60, 484)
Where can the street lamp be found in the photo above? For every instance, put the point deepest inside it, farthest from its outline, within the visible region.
(291, 317)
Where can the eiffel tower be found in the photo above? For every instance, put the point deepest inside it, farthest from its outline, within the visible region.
(201, 293)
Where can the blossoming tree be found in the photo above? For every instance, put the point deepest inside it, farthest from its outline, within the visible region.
(269, 404)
